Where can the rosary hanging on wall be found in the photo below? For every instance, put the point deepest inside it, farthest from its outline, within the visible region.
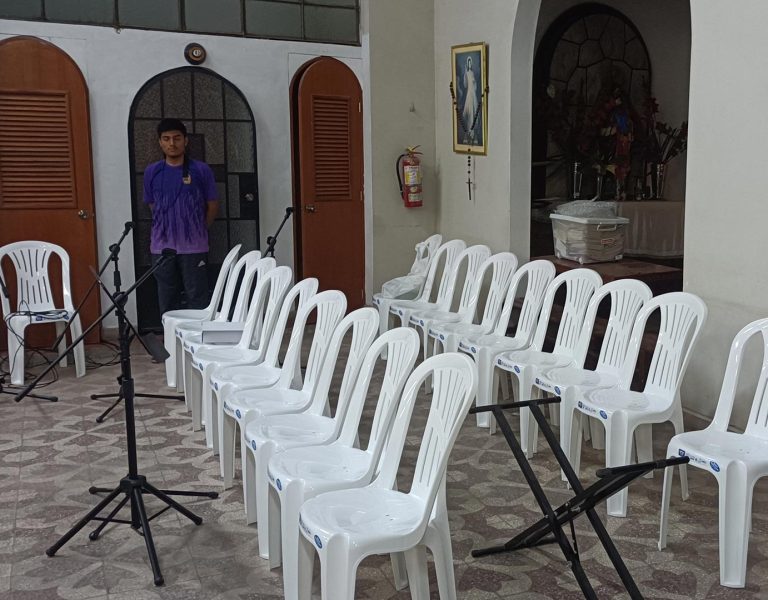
(469, 133)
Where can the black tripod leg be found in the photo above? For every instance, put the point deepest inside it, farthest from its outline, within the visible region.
(161, 396)
(138, 505)
(211, 495)
(102, 416)
(172, 503)
(83, 522)
(94, 535)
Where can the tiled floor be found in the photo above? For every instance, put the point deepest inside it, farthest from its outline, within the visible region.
(50, 454)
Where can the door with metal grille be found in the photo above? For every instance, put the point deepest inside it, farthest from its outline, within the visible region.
(221, 133)
(327, 138)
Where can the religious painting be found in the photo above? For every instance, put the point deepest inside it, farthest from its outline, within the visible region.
(469, 87)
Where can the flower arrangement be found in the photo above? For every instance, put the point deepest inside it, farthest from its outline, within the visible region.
(662, 142)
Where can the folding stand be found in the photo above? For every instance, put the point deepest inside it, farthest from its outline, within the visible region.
(549, 529)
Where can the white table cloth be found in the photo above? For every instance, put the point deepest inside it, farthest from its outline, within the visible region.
(655, 227)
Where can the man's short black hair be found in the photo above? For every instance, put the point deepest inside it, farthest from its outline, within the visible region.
(171, 125)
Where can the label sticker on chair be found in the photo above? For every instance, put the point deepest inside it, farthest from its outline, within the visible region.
(238, 414)
(692, 458)
(279, 485)
(442, 337)
(253, 444)
(517, 369)
(318, 542)
(557, 390)
(715, 466)
(603, 414)
(216, 386)
(473, 349)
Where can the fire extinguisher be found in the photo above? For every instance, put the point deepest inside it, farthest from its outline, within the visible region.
(408, 167)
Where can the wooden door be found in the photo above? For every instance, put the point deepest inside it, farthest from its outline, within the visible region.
(327, 140)
(46, 175)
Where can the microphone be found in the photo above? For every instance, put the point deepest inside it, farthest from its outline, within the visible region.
(128, 226)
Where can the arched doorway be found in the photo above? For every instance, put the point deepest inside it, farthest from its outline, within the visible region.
(327, 147)
(46, 173)
(221, 133)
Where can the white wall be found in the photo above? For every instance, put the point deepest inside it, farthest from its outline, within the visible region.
(666, 29)
(403, 114)
(725, 225)
(117, 63)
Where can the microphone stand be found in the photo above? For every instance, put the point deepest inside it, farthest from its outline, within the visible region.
(134, 485)
(272, 239)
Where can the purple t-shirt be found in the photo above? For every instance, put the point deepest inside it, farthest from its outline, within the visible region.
(178, 214)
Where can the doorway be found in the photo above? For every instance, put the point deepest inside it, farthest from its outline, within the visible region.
(221, 133)
(327, 148)
(46, 173)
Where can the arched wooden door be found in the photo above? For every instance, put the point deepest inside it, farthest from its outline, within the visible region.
(327, 143)
(46, 174)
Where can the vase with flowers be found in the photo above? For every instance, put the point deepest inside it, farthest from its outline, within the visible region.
(663, 143)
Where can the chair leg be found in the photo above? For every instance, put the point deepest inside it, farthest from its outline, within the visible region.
(62, 344)
(568, 418)
(484, 378)
(79, 350)
(644, 445)
(169, 341)
(438, 540)
(289, 504)
(399, 570)
(210, 411)
(306, 567)
(677, 422)
(227, 449)
(16, 352)
(418, 580)
(597, 434)
(261, 490)
(664, 517)
(180, 368)
(273, 517)
(735, 508)
(248, 475)
(618, 452)
(338, 572)
(193, 392)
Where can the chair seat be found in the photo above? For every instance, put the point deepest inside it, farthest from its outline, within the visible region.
(245, 376)
(460, 329)
(290, 431)
(225, 354)
(186, 314)
(269, 401)
(556, 379)
(519, 359)
(443, 316)
(706, 446)
(613, 399)
(490, 342)
(186, 328)
(365, 515)
(320, 467)
(399, 307)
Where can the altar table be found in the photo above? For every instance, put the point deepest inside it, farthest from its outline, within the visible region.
(655, 227)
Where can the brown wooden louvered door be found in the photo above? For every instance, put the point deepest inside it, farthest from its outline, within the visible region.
(46, 179)
(328, 177)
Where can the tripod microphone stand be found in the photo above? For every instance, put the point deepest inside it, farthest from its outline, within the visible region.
(134, 485)
(272, 239)
(154, 350)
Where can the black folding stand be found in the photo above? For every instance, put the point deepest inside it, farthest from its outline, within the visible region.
(133, 485)
(272, 239)
(549, 529)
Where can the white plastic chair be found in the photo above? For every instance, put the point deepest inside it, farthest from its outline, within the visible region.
(35, 303)
(447, 333)
(345, 526)
(627, 297)
(171, 318)
(736, 460)
(298, 474)
(628, 415)
(425, 254)
(265, 436)
(238, 403)
(402, 309)
(201, 360)
(580, 285)
(475, 258)
(537, 275)
(233, 294)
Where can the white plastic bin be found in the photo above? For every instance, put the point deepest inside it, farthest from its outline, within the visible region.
(588, 239)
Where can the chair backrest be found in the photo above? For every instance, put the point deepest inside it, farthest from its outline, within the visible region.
(33, 285)
(449, 250)
(537, 274)
(402, 349)
(580, 286)
(681, 318)
(252, 281)
(502, 267)
(627, 297)
(329, 308)
(454, 378)
(364, 324)
(473, 257)
(424, 252)
(757, 423)
(221, 280)
(299, 294)
(245, 261)
(265, 306)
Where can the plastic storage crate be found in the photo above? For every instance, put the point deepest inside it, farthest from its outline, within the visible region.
(588, 239)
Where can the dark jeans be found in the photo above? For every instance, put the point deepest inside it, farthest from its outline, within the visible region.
(188, 272)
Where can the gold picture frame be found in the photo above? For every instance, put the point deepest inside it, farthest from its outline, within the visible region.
(469, 86)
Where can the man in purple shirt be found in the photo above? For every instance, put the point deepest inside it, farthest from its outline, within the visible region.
(181, 193)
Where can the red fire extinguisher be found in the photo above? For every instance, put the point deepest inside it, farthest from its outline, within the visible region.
(408, 168)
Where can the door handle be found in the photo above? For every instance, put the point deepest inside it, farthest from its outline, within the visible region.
(309, 208)
(83, 214)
